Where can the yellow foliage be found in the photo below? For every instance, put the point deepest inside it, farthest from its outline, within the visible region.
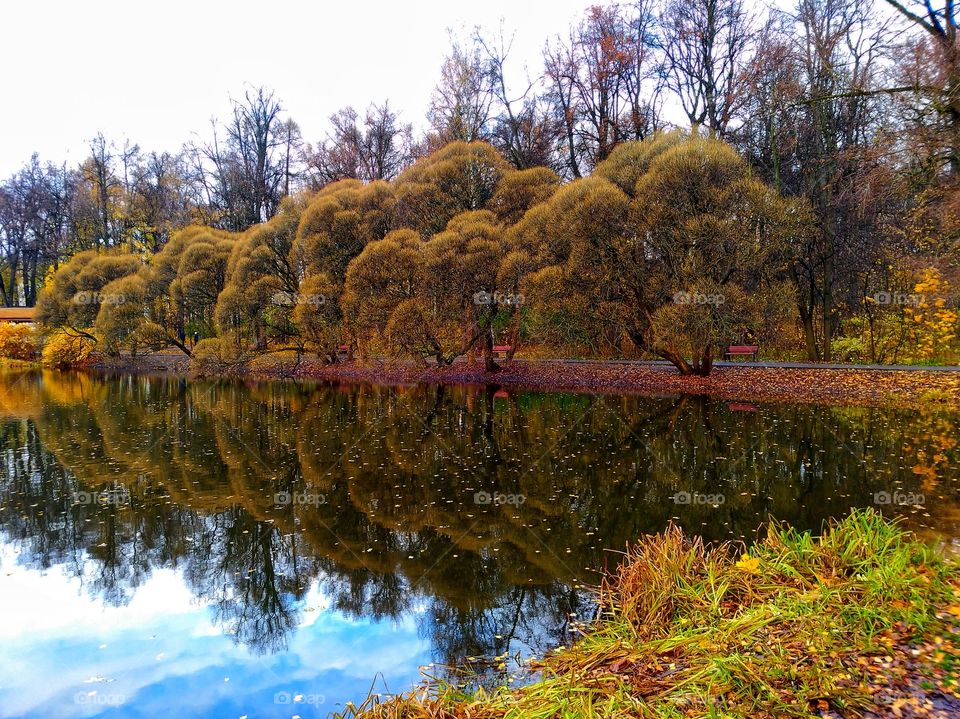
(936, 326)
(18, 341)
(67, 349)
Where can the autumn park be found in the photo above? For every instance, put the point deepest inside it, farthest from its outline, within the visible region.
(612, 370)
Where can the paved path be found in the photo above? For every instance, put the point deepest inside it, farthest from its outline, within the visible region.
(768, 365)
(663, 363)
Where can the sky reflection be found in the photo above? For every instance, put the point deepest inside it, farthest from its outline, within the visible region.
(76, 657)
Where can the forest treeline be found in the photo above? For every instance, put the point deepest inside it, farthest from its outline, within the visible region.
(679, 175)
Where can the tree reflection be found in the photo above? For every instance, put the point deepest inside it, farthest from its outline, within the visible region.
(396, 481)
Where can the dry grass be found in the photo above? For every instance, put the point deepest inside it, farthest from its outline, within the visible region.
(788, 628)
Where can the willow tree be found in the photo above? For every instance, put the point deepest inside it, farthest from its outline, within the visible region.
(255, 304)
(379, 280)
(459, 177)
(457, 298)
(434, 299)
(333, 229)
(73, 298)
(689, 261)
(708, 243)
(566, 252)
(518, 191)
(169, 298)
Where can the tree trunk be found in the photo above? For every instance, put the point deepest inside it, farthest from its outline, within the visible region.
(489, 363)
(704, 364)
(674, 358)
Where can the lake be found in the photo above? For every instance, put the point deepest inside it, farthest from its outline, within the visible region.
(279, 549)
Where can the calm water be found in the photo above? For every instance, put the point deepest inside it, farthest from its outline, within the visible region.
(274, 549)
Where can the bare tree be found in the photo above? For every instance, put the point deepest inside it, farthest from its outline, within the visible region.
(524, 129)
(603, 83)
(932, 72)
(705, 43)
(100, 175)
(378, 149)
(245, 170)
(461, 102)
(386, 143)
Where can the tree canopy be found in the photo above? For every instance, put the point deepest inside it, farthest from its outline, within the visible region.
(672, 247)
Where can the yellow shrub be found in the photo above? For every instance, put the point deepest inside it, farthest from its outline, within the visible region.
(18, 341)
(936, 326)
(64, 349)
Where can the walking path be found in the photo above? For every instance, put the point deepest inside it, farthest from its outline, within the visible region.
(761, 365)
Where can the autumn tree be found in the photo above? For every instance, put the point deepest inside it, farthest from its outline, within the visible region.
(76, 293)
(714, 238)
(374, 147)
(333, 229)
(705, 45)
(261, 277)
(460, 177)
(604, 83)
(839, 126)
(381, 278)
(695, 224)
(461, 102)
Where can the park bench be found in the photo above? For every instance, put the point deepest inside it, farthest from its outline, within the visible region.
(741, 351)
(502, 350)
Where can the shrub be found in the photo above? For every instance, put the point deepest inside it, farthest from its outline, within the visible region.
(18, 341)
(848, 349)
(219, 356)
(67, 349)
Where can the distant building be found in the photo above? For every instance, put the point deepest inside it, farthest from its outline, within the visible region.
(17, 315)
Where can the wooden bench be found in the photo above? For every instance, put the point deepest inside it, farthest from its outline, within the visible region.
(503, 350)
(741, 351)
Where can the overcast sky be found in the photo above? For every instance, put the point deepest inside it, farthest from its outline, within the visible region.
(157, 72)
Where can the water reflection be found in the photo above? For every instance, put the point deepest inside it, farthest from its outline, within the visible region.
(468, 516)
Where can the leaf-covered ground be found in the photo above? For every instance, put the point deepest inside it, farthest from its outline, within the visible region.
(846, 386)
(832, 386)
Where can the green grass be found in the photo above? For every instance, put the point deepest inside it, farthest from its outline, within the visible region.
(795, 626)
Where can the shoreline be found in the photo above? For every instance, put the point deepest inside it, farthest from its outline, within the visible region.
(851, 385)
(861, 620)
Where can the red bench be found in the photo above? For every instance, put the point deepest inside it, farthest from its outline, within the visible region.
(504, 350)
(741, 351)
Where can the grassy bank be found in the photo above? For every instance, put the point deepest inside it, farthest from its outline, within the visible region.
(862, 621)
